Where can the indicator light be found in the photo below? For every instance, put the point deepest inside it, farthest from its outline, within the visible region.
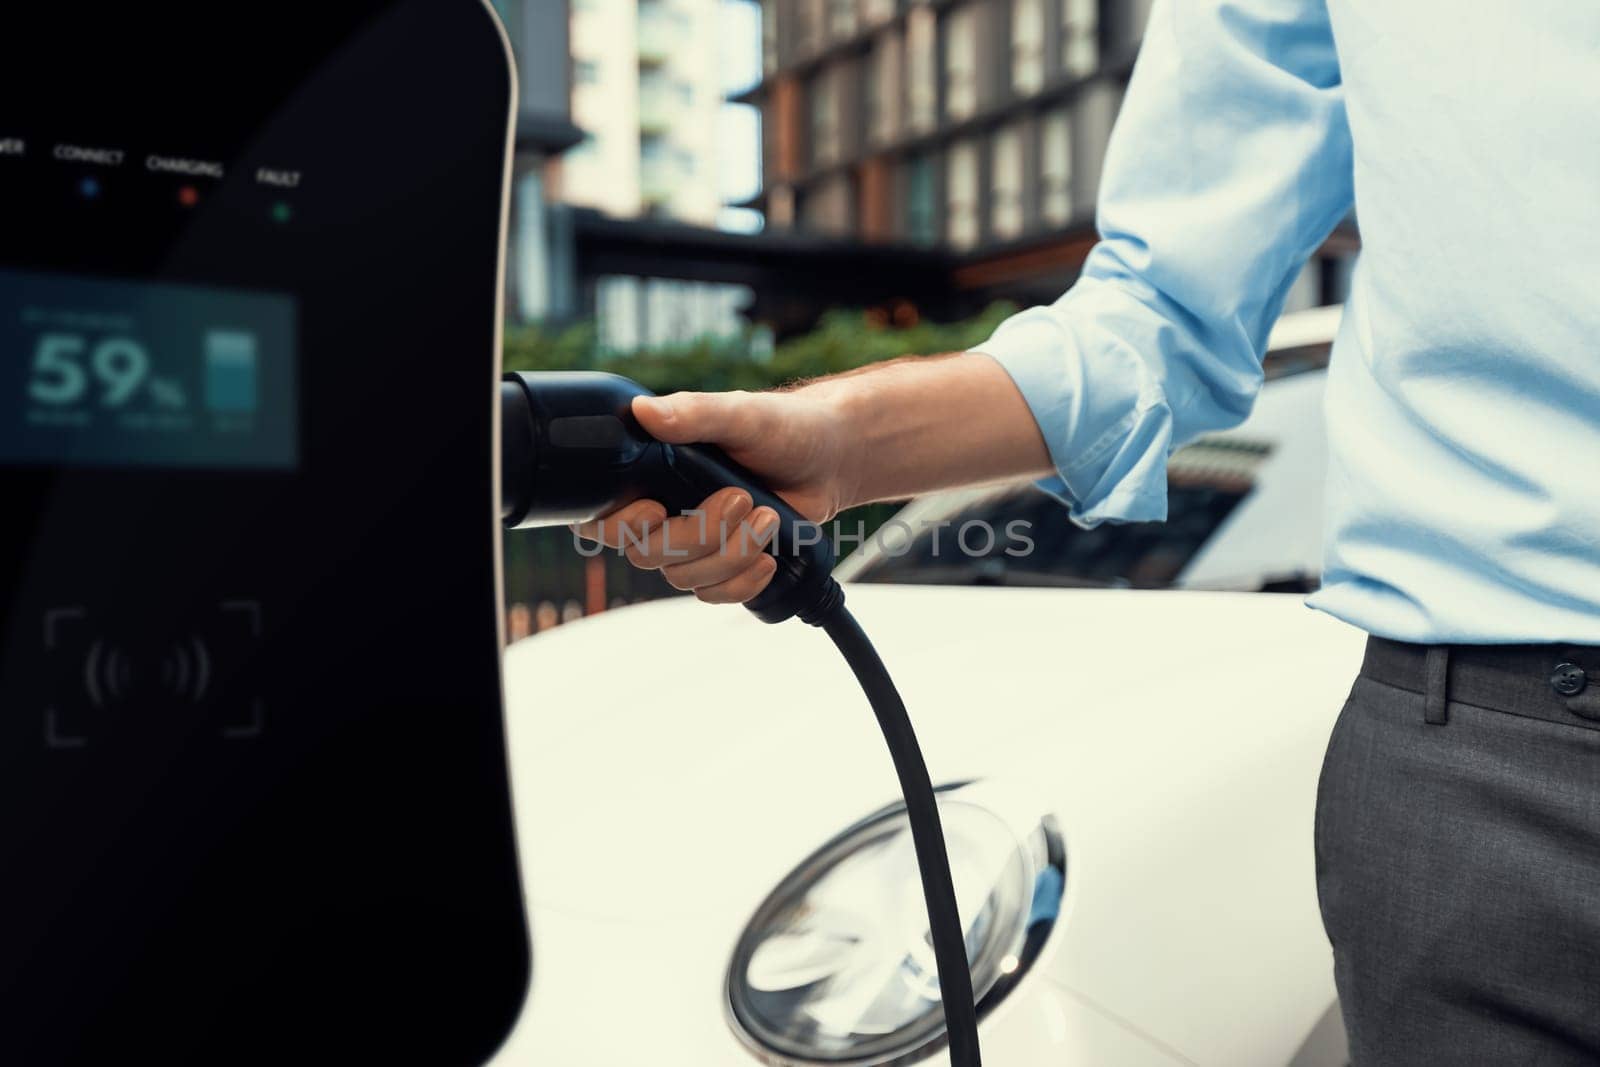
(282, 212)
(188, 196)
(89, 188)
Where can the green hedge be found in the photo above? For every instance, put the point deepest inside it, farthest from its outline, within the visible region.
(843, 341)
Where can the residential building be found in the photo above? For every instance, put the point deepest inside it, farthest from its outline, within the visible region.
(539, 278)
(974, 128)
(647, 90)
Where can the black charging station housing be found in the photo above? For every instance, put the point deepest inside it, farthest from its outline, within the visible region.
(254, 798)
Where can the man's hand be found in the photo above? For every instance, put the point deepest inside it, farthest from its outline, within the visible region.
(881, 433)
(793, 440)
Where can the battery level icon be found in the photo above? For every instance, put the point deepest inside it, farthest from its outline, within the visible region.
(231, 372)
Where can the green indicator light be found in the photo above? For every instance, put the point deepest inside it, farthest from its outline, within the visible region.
(282, 212)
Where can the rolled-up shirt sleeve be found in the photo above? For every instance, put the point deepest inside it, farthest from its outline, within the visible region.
(1229, 165)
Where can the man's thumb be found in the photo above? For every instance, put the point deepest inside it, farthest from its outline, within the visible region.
(684, 418)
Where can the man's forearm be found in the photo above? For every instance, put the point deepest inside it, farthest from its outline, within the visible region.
(926, 423)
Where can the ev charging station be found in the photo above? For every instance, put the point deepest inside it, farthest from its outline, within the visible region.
(254, 798)
(254, 803)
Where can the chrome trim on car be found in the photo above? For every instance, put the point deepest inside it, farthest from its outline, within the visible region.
(1039, 834)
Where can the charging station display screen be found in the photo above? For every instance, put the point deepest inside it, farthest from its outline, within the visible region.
(100, 372)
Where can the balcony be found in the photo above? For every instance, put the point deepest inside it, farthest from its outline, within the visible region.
(660, 34)
(660, 107)
(658, 181)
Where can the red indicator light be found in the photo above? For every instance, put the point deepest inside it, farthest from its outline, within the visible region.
(188, 196)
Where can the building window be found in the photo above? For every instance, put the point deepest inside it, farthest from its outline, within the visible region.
(826, 208)
(661, 101)
(921, 217)
(874, 12)
(961, 63)
(658, 174)
(882, 90)
(841, 19)
(1080, 33)
(825, 118)
(529, 252)
(585, 71)
(1027, 45)
(961, 195)
(1005, 193)
(922, 91)
(619, 313)
(1055, 169)
(808, 26)
(769, 36)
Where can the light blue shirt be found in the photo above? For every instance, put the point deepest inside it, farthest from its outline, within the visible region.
(1463, 491)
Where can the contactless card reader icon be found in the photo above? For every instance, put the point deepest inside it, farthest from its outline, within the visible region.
(108, 677)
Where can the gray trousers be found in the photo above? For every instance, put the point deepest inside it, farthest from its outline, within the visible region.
(1458, 855)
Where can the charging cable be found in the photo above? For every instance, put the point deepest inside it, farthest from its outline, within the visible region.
(927, 834)
(571, 451)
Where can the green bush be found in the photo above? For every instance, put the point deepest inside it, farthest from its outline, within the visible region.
(844, 340)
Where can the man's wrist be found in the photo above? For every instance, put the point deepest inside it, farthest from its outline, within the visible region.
(846, 401)
(875, 429)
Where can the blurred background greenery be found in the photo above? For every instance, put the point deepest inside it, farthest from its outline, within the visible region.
(842, 341)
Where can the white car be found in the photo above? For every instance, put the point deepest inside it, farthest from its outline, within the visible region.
(717, 868)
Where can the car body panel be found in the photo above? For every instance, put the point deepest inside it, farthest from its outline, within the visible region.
(673, 762)
(614, 993)
(1276, 531)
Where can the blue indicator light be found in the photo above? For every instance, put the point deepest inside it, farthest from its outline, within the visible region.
(89, 188)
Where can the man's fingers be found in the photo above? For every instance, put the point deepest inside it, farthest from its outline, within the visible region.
(717, 552)
(743, 543)
(628, 524)
(693, 536)
(743, 586)
(727, 419)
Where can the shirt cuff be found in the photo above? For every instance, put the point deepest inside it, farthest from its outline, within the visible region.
(1108, 435)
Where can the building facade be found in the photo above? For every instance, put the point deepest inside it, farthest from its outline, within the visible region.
(539, 282)
(977, 127)
(647, 91)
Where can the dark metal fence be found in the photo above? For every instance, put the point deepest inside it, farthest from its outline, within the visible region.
(549, 582)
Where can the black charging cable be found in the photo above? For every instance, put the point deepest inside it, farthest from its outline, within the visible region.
(927, 834)
(571, 450)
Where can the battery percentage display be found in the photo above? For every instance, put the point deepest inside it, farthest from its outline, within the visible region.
(116, 372)
(67, 368)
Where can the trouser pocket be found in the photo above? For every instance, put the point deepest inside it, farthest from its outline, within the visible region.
(1332, 772)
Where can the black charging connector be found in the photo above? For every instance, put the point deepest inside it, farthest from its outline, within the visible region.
(572, 451)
